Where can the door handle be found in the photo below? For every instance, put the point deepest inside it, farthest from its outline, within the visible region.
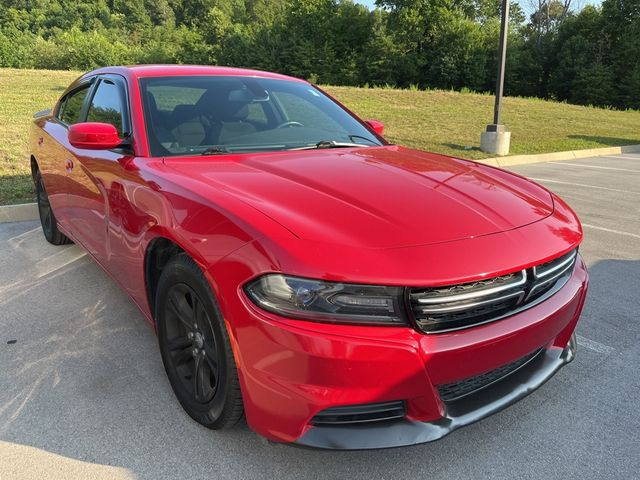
(69, 165)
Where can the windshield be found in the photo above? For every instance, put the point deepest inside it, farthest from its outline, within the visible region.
(216, 114)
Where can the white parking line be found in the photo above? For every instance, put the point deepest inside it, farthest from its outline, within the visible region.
(627, 157)
(610, 230)
(18, 239)
(582, 165)
(593, 345)
(585, 185)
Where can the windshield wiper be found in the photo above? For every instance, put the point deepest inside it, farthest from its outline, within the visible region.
(329, 144)
(352, 136)
(215, 151)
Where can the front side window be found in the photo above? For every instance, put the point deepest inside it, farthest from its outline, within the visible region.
(71, 107)
(107, 105)
(218, 114)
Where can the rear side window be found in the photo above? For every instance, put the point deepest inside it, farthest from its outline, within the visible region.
(256, 113)
(107, 105)
(71, 108)
(167, 97)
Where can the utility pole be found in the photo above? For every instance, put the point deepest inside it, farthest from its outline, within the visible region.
(496, 138)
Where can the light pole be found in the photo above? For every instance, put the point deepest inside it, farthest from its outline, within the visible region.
(496, 138)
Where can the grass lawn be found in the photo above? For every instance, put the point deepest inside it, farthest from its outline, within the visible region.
(451, 122)
(440, 121)
(22, 93)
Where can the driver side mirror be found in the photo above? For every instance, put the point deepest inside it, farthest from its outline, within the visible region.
(94, 136)
(376, 126)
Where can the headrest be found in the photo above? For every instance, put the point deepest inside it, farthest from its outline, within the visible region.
(231, 111)
(225, 105)
(183, 113)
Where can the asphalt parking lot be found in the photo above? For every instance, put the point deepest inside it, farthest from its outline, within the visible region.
(83, 393)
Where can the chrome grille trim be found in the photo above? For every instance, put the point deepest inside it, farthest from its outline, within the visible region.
(471, 305)
(444, 309)
(480, 293)
(540, 285)
(571, 256)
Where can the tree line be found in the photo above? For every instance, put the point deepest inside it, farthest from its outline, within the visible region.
(590, 56)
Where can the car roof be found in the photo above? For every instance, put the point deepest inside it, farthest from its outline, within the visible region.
(141, 71)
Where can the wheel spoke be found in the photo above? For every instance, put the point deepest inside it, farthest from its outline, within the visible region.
(182, 357)
(197, 310)
(213, 365)
(198, 378)
(178, 343)
(177, 305)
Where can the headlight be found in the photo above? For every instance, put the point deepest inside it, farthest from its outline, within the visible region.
(327, 301)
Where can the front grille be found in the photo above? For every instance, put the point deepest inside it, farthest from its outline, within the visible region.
(370, 412)
(444, 309)
(456, 390)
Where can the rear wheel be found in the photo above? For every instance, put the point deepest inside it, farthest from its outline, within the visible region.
(47, 218)
(195, 346)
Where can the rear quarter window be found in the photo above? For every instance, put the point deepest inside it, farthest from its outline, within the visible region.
(167, 97)
(71, 108)
(256, 114)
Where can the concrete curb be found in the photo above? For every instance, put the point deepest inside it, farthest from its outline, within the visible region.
(556, 156)
(18, 213)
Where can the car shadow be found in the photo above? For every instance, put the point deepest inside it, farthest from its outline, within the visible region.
(462, 148)
(84, 380)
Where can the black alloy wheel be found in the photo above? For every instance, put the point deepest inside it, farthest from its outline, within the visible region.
(47, 218)
(195, 346)
(192, 343)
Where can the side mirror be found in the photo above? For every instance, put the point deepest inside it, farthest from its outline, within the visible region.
(376, 126)
(94, 136)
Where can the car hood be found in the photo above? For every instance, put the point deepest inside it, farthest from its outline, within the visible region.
(375, 197)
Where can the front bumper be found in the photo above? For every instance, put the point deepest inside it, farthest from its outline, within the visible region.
(292, 370)
(457, 414)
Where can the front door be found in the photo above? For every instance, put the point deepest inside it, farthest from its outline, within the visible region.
(94, 170)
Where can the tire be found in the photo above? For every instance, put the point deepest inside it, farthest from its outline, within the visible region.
(47, 218)
(195, 347)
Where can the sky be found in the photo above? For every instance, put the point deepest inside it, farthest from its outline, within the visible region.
(368, 3)
(524, 3)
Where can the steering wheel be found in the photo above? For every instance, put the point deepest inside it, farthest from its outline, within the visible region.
(290, 124)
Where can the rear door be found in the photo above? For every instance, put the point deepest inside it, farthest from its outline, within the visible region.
(55, 159)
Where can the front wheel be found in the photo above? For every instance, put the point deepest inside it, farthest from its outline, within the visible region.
(47, 218)
(195, 346)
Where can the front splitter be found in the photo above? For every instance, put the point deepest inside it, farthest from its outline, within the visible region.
(467, 410)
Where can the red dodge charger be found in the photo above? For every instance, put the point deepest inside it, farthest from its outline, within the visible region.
(339, 291)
